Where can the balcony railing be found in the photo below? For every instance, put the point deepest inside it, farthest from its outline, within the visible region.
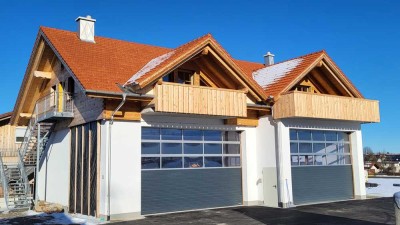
(180, 98)
(55, 106)
(310, 105)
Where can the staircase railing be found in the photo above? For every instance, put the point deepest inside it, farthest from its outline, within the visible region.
(4, 180)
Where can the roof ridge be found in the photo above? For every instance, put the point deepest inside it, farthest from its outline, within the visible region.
(109, 38)
(208, 35)
(298, 57)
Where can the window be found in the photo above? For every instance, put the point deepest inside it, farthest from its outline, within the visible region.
(180, 77)
(303, 88)
(319, 148)
(19, 134)
(164, 148)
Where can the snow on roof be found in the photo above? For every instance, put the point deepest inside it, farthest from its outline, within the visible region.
(271, 74)
(149, 66)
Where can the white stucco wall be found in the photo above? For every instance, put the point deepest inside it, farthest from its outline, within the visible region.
(125, 188)
(53, 182)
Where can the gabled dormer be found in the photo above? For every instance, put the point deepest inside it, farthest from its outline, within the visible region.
(312, 86)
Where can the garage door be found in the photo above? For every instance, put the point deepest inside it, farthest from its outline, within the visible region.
(186, 169)
(321, 166)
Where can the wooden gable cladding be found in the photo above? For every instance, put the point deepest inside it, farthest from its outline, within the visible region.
(130, 111)
(179, 98)
(319, 106)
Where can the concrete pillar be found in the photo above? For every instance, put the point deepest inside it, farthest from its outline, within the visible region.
(284, 166)
(358, 164)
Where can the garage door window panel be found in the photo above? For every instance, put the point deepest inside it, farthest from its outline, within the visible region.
(319, 148)
(166, 148)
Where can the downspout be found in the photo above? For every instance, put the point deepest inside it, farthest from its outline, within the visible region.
(109, 156)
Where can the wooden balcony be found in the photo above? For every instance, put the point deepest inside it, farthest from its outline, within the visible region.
(309, 105)
(180, 98)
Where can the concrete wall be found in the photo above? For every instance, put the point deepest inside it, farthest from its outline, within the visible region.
(125, 183)
(53, 179)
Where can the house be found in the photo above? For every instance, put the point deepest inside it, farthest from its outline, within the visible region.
(119, 130)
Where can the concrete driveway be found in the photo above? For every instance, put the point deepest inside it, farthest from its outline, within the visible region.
(358, 212)
(363, 212)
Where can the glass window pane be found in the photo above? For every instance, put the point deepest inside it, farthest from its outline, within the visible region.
(302, 160)
(150, 162)
(212, 148)
(318, 135)
(319, 160)
(171, 148)
(212, 135)
(331, 136)
(293, 135)
(150, 133)
(171, 134)
(309, 159)
(232, 136)
(345, 160)
(295, 160)
(331, 148)
(172, 162)
(213, 161)
(231, 161)
(150, 148)
(193, 162)
(294, 148)
(343, 136)
(304, 135)
(305, 148)
(194, 135)
(343, 148)
(332, 159)
(231, 149)
(193, 148)
(319, 148)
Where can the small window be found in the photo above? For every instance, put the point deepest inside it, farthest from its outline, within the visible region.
(303, 88)
(19, 139)
(180, 77)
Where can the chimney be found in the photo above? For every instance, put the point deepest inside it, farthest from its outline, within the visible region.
(86, 28)
(269, 59)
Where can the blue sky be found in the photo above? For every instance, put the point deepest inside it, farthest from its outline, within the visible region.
(362, 37)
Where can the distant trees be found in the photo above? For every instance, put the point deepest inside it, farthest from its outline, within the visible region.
(368, 150)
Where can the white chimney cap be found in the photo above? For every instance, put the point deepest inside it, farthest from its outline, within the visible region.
(88, 18)
(269, 59)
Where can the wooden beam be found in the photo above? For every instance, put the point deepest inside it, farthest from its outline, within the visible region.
(331, 89)
(343, 87)
(25, 115)
(130, 111)
(41, 74)
(242, 122)
(227, 67)
(213, 70)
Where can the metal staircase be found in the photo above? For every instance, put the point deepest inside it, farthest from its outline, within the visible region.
(14, 176)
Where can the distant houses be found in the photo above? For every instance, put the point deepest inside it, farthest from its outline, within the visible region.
(386, 164)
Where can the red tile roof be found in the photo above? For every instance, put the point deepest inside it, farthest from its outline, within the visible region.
(99, 66)
(276, 87)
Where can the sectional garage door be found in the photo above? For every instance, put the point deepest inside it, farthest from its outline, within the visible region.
(321, 166)
(185, 169)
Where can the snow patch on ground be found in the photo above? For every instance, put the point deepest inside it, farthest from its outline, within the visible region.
(385, 187)
(63, 218)
(149, 66)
